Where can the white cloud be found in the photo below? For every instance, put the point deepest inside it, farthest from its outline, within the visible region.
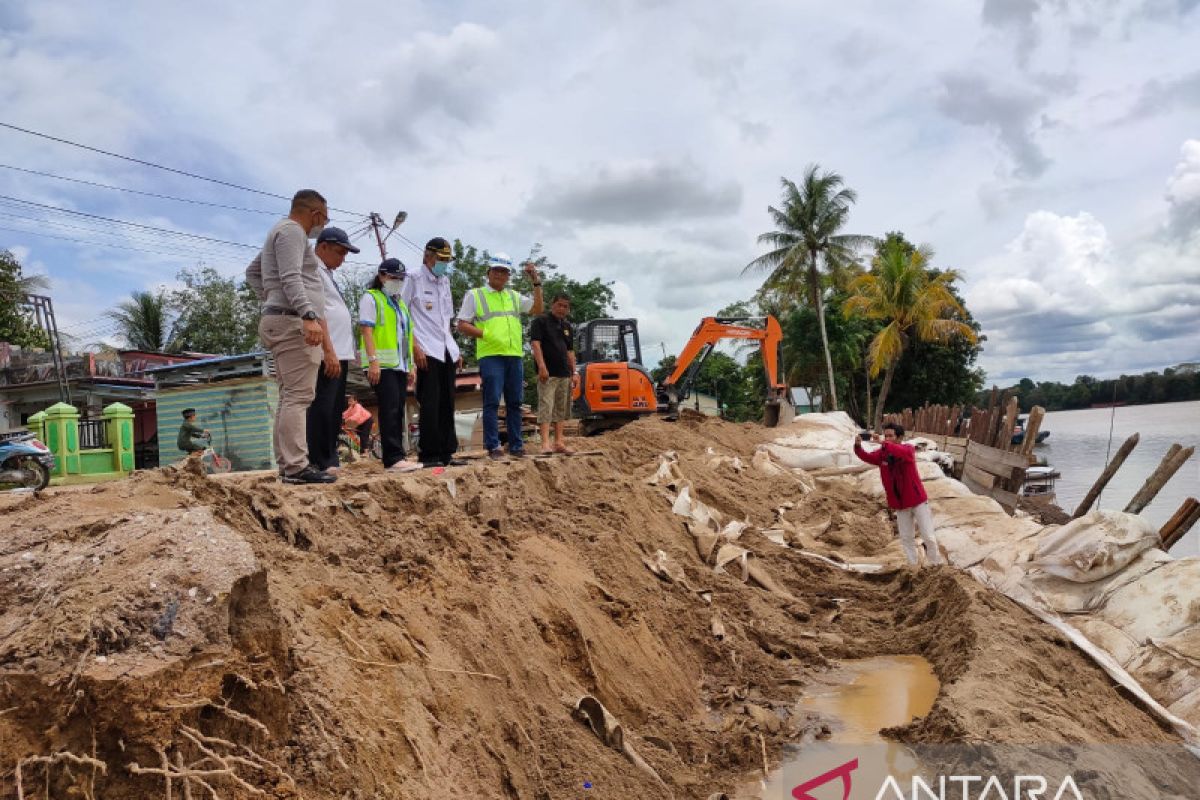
(1064, 290)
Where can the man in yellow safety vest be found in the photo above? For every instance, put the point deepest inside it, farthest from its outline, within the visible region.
(492, 316)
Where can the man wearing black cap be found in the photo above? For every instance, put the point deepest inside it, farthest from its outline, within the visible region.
(337, 347)
(427, 295)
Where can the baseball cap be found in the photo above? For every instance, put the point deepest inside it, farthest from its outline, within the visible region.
(500, 261)
(440, 247)
(393, 266)
(336, 236)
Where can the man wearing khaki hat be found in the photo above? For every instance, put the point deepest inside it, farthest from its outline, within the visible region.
(426, 292)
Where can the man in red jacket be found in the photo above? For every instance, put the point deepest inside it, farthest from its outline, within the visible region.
(902, 483)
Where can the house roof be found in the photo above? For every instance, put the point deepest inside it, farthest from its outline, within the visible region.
(204, 362)
(800, 397)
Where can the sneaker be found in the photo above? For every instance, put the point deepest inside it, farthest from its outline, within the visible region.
(516, 453)
(455, 462)
(496, 455)
(309, 475)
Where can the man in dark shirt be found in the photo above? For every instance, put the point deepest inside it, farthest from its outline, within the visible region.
(554, 351)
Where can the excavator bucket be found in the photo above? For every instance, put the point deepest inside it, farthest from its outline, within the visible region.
(776, 413)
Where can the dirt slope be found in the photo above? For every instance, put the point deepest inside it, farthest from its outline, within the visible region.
(428, 636)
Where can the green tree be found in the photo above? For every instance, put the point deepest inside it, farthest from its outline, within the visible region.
(352, 283)
(17, 324)
(912, 302)
(214, 315)
(144, 321)
(807, 240)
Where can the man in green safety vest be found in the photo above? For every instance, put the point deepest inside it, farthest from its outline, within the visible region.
(492, 316)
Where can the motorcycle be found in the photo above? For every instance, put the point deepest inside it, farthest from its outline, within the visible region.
(25, 463)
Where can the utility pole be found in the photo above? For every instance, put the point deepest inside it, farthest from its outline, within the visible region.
(377, 223)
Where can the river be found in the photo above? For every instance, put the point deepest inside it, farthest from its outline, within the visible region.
(1079, 440)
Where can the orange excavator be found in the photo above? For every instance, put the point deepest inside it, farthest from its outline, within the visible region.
(615, 386)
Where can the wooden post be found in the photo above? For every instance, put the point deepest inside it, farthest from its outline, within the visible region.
(1031, 430)
(993, 431)
(1169, 534)
(1106, 476)
(1005, 434)
(1167, 468)
(1183, 527)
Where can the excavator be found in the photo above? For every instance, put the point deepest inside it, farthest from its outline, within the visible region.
(615, 387)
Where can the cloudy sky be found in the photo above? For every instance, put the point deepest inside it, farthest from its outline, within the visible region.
(1048, 149)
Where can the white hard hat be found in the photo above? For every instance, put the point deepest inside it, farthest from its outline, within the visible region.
(500, 261)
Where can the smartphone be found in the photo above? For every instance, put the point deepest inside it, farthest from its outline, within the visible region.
(865, 436)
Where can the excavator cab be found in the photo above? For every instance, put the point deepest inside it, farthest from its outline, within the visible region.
(614, 386)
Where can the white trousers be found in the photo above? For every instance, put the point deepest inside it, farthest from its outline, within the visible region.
(923, 518)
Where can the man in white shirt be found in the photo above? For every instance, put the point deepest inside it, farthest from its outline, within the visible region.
(337, 347)
(427, 294)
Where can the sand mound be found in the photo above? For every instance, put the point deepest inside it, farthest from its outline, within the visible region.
(433, 636)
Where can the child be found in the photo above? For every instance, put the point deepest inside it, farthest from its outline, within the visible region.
(193, 439)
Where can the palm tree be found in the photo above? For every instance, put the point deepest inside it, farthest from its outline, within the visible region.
(806, 240)
(142, 321)
(912, 299)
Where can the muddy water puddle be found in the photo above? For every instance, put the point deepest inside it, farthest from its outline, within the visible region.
(857, 699)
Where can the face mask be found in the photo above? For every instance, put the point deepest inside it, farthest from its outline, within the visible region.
(392, 288)
(440, 268)
(315, 231)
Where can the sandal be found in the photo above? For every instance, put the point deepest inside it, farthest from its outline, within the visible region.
(563, 449)
(405, 466)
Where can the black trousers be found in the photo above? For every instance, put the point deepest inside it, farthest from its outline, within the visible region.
(391, 392)
(364, 435)
(435, 393)
(325, 418)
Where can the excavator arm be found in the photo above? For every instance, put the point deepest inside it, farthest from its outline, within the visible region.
(713, 330)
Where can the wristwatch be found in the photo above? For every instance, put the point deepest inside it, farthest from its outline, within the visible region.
(309, 315)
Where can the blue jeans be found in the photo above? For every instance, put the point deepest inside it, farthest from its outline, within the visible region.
(502, 375)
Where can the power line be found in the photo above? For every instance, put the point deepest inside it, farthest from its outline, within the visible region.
(123, 236)
(124, 222)
(152, 194)
(137, 191)
(160, 166)
(90, 243)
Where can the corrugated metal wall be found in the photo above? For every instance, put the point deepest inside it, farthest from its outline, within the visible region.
(240, 414)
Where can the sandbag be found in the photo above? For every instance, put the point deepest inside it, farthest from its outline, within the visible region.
(1094, 546)
(806, 458)
(1160, 605)
(1170, 665)
(1069, 597)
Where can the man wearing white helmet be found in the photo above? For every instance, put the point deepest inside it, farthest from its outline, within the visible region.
(492, 316)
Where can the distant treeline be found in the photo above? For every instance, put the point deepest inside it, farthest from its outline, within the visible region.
(1172, 385)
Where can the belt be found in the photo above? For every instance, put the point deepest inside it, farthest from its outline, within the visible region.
(276, 311)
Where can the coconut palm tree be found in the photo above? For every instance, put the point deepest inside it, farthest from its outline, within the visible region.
(806, 241)
(142, 321)
(912, 300)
